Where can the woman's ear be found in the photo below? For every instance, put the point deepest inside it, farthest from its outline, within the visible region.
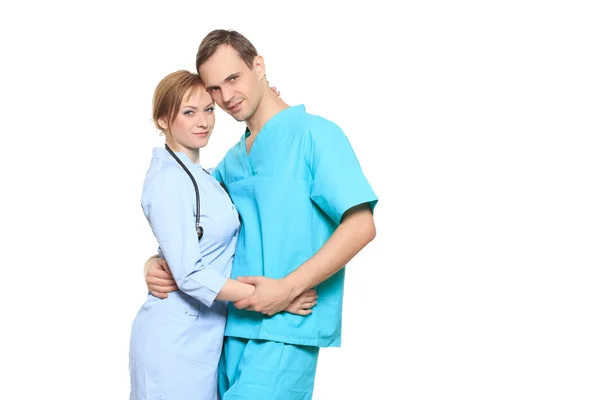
(162, 122)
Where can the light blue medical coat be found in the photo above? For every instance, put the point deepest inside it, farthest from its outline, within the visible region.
(291, 191)
(176, 342)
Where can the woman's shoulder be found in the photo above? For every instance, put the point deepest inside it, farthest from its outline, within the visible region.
(162, 177)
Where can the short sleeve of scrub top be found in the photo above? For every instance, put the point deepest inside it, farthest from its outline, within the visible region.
(338, 181)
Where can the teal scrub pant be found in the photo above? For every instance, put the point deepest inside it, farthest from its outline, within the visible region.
(265, 370)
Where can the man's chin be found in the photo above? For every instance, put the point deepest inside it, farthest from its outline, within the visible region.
(238, 116)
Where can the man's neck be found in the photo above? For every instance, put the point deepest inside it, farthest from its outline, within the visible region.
(270, 105)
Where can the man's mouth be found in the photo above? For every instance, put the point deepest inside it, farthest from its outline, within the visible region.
(235, 107)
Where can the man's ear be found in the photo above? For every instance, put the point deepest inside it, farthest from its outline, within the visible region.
(259, 66)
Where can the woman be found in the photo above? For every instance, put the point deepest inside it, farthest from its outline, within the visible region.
(176, 342)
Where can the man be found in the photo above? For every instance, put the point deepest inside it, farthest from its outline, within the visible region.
(306, 210)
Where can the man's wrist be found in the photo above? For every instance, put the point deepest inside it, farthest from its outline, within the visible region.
(293, 285)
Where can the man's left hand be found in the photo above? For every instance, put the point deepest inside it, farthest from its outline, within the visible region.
(270, 296)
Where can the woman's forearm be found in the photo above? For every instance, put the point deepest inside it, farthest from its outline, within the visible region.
(234, 291)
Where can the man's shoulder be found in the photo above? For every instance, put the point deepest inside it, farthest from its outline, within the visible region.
(307, 125)
(318, 121)
(317, 126)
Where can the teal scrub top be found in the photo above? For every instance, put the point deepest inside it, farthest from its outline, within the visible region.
(291, 192)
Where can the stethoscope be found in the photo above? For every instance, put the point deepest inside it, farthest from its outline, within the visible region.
(199, 229)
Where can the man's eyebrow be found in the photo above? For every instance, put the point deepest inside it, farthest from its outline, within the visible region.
(234, 75)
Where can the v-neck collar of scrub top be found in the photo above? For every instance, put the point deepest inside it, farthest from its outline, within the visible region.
(281, 116)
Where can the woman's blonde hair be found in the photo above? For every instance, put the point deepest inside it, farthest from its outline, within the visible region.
(169, 94)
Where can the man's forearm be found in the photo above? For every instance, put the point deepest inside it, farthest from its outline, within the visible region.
(356, 230)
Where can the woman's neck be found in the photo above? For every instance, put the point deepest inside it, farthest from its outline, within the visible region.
(193, 154)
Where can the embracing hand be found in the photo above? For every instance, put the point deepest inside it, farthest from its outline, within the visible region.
(158, 276)
(303, 304)
(271, 296)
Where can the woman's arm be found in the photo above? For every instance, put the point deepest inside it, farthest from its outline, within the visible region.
(169, 212)
(160, 283)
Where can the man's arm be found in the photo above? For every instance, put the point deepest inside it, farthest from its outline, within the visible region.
(356, 230)
(341, 191)
(354, 233)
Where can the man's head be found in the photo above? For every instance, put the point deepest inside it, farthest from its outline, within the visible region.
(233, 72)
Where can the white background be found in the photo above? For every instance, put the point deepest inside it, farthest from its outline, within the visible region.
(476, 122)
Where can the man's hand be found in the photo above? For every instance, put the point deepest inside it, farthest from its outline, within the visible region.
(303, 304)
(158, 276)
(270, 296)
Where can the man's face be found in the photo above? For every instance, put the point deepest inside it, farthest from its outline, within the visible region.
(235, 87)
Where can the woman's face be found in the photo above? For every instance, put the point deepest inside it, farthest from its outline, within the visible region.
(195, 119)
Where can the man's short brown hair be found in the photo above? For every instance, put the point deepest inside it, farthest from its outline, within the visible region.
(219, 37)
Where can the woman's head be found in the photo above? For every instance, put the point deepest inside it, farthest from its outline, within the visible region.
(183, 110)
